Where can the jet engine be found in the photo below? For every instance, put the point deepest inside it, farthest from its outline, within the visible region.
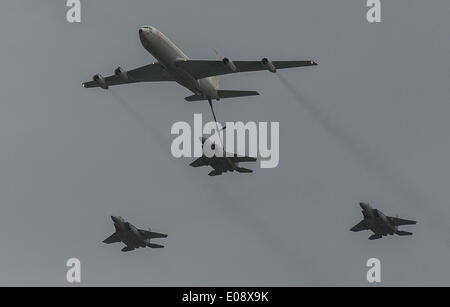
(229, 64)
(122, 74)
(269, 65)
(98, 78)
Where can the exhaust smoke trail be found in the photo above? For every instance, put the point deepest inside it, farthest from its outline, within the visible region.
(361, 152)
(160, 138)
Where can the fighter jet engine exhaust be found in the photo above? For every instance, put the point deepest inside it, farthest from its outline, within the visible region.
(361, 152)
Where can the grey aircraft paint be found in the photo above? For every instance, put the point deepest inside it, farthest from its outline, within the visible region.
(380, 224)
(132, 236)
(226, 163)
(71, 157)
(199, 76)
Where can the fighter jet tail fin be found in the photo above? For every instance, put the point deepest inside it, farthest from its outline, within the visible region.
(153, 245)
(404, 233)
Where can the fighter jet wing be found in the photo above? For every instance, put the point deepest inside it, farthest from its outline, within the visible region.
(399, 222)
(149, 73)
(359, 227)
(150, 234)
(114, 238)
(199, 162)
(200, 69)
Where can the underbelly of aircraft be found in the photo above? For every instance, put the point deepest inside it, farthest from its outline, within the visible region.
(380, 229)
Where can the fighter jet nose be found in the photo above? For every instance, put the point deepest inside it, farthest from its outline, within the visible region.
(115, 218)
(364, 205)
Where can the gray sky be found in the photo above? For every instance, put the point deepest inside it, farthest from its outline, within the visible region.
(71, 157)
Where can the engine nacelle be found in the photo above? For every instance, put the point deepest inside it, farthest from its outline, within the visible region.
(122, 74)
(98, 78)
(269, 65)
(228, 63)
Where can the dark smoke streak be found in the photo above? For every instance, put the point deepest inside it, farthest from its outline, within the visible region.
(361, 152)
(160, 138)
(299, 267)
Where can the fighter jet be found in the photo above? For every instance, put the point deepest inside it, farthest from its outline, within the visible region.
(131, 236)
(198, 76)
(380, 224)
(226, 163)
